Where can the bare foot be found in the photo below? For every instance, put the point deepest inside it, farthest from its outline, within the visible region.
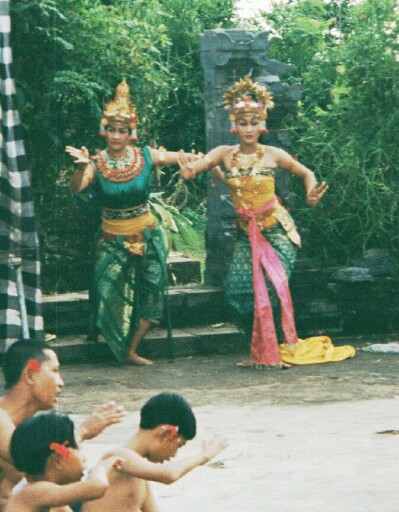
(261, 366)
(106, 415)
(245, 364)
(138, 360)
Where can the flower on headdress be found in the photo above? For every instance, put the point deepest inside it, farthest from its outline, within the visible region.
(61, 449)
(248, 97)
(34, 365)
(246, 94)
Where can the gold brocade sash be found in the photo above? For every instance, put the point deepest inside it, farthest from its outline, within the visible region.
(251, 192)
(128, 226)
(130, 229)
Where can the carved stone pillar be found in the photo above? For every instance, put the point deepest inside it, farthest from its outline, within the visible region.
(227, 56)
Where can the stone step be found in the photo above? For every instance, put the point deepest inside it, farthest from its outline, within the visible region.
(189, 305)
(320, 306)
(208, 340)
(222, 338)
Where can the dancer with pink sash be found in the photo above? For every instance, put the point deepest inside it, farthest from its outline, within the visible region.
(257, 284)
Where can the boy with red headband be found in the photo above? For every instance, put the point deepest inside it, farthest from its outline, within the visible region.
(33, 383)
(45, 450)
(167, 422)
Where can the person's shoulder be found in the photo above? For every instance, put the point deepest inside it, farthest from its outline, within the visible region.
(272, 149)
(123, 452)
(5, 418)
(222, 152)
(26, 498)
(3, 411)
(275, 152)
(226, 147)
(120, 452)
(222, 148)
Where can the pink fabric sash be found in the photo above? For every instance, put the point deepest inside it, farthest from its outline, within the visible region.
(264, 344)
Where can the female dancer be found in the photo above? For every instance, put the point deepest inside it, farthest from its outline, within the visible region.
(268, 240)
(130, 271)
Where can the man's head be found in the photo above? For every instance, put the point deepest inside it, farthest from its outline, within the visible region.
(17, 357)
(170, 417)
(35, 365)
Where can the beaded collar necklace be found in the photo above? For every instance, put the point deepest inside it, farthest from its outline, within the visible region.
(244, 161)
(127, 168)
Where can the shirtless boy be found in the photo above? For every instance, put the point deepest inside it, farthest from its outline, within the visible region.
(45, 449)
(33, 383)
(167, 422)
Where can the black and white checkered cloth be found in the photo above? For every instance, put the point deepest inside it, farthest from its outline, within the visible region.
(18, 239)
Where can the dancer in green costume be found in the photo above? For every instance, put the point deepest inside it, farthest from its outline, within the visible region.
(130, 272)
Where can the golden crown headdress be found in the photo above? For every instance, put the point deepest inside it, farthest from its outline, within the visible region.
(121, 110)
(247, 97)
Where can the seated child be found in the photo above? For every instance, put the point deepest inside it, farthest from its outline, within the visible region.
(166, 423)
(44, 448)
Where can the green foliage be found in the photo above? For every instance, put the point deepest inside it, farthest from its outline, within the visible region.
(178, 228)
(348, 118)
(68, 58)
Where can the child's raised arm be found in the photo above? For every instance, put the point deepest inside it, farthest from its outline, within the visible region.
(135, 465)
(49, 494)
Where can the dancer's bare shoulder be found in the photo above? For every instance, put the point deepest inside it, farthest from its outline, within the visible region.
(279, 156)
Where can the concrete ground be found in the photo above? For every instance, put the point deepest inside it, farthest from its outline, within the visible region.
(311, 458)
(303, 439)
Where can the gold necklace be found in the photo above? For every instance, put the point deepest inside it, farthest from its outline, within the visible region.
(133, 156)
(244, 161)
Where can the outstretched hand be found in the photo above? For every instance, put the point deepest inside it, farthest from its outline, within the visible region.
(122, 466)
(186, 171)
(317, 192)
(81, 156)
(214, 446)
(106, 415)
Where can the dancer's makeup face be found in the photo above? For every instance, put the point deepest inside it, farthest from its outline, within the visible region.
(248, 128)
(116, 136)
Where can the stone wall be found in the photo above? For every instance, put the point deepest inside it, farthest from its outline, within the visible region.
(227, 56)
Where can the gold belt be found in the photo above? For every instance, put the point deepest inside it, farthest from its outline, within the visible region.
(130, 229)
(277, 215)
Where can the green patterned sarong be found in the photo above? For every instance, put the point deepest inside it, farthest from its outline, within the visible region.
(239, 282)
(128, 288)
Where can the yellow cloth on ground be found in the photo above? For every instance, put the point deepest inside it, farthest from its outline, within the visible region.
(318, 349)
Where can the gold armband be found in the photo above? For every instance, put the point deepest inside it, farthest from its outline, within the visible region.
(161, 156)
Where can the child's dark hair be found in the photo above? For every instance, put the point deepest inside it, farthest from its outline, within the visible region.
(171, 409)
(17, 356)
(31, 440)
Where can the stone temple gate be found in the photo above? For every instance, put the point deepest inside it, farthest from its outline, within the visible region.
(227, 56)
